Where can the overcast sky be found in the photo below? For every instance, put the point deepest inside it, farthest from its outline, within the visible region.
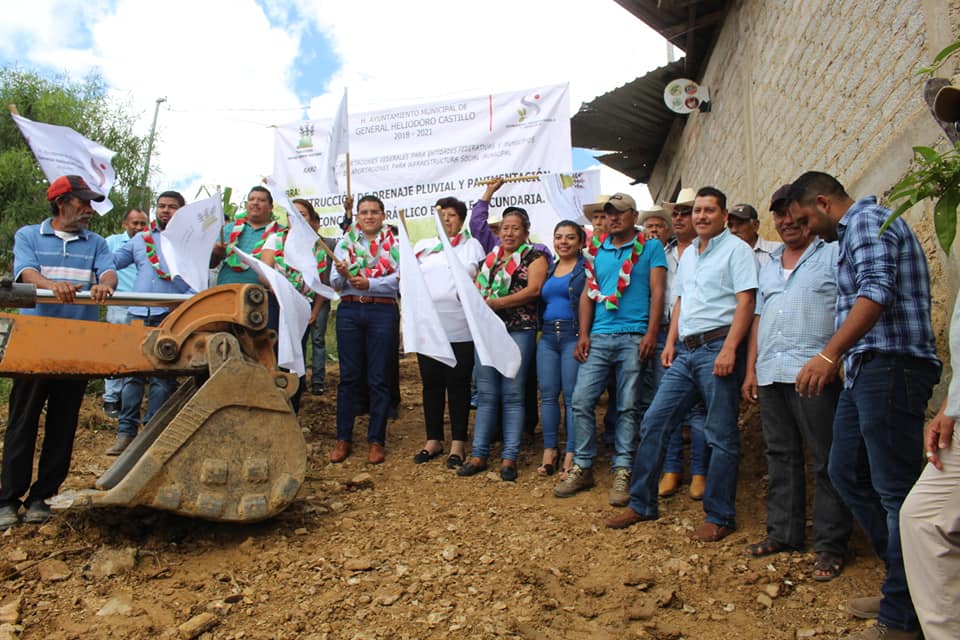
(230, 69)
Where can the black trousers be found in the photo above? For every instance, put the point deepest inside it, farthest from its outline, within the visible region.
(27, 398)
(439, 379)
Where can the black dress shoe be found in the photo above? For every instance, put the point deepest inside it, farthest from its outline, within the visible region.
(508, 474)
(470, 469)
(454, 461)
(426, 456)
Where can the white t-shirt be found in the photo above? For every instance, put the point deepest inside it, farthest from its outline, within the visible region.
(443, 290)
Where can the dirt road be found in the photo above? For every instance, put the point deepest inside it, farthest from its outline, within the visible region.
(413, 551)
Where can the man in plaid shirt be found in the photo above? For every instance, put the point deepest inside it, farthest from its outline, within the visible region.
(884, 340)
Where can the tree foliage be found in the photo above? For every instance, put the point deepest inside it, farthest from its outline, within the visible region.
(83, 106)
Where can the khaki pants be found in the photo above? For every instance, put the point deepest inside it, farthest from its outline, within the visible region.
(930, 535)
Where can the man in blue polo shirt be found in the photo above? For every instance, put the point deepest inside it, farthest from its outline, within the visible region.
(59, 254)
(620, 312)
(716, 284)
(145, 251)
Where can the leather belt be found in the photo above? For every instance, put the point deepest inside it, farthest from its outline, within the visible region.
(368, 299)
(699, 339)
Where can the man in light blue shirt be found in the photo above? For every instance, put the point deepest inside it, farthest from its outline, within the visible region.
(717, 282)
(145, 252)
(793, 321)
(133, 223)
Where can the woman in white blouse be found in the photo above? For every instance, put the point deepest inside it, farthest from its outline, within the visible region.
(438, 378)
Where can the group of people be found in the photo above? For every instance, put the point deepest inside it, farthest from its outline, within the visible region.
(677, 321)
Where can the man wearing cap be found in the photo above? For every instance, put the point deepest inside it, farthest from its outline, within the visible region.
(133, 223)
(681, 213)
(793, 321)
(146, 253)
(930, 516)
(620, 311)
(716, 283)
(885, 343)
(744, 222)
(59, 254)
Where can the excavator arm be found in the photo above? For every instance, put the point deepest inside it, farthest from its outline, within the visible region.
(225, 446)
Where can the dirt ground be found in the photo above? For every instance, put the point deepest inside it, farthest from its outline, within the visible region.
(413, 551)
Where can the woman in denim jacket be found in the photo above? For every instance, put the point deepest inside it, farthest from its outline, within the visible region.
(556, 366)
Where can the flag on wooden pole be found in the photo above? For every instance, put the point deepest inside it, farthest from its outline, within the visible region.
(61, 151)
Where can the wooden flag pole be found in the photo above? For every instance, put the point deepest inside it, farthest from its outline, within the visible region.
(532, 177)
(349, 192)
(403, 220)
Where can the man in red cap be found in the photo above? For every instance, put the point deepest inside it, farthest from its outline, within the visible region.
(59, 254)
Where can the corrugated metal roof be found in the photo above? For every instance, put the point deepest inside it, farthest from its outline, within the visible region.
(632, 121)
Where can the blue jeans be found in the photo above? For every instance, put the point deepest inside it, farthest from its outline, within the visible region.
(131, 395)
(366, 334)
(318, 337)
(619, 353)
(673, 461)
(497, 391)
(689, 380)
(112, 387)
(876, 458)
(557, 373)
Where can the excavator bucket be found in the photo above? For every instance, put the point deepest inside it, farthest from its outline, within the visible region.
(225, 446)
(230, 450)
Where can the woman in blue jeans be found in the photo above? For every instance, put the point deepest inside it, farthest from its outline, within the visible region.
(509, 279)
(556, 366)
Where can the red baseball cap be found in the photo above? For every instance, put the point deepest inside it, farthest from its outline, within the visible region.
(74, 185)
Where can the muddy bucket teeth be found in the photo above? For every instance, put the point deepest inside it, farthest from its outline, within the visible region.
(227, 449)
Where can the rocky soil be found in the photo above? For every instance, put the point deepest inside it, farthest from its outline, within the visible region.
(412, 551)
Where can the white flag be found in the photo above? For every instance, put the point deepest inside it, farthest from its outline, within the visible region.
(568, 193)
(298, 247)
(339, 143)
(61, 151)
(493, 343)
(422, 331)
(294, 314)
(189, 238)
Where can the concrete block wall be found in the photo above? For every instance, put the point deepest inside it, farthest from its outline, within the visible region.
(818, 84)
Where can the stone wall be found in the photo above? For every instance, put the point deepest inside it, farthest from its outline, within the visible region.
(818, 84)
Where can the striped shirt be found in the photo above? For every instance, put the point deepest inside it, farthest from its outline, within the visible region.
(81, 258)
(890, 270)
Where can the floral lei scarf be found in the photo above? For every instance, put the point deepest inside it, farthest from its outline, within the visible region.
(152, 256)
(497, 285)
(462, 236)
(238, 223)
(380, 260)
(610, 301)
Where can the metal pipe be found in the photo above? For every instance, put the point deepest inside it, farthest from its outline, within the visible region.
(120, 298)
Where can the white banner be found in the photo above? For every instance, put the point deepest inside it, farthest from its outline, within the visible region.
(189, 238)
(412, 156)
(61, 151)
(568, 193)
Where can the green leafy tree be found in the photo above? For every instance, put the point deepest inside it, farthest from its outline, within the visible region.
(83, 106)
